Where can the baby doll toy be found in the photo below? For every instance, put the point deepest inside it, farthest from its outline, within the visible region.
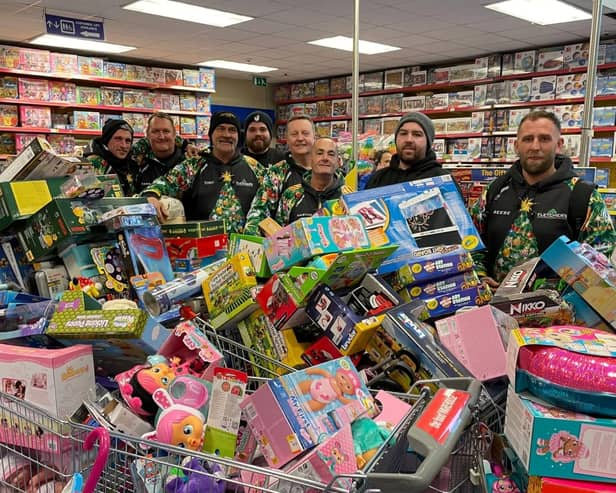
(139, 383)
(181, 422)
(329, 387)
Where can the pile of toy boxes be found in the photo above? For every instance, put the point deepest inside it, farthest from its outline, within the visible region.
(381, 278)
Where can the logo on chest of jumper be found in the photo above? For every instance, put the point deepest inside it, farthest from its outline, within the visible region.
(552, 214)
(244, 183)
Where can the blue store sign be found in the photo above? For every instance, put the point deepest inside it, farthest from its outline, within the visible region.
(76, 28)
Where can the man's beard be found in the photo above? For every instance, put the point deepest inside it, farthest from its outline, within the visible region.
(258, 146)
(538, 167)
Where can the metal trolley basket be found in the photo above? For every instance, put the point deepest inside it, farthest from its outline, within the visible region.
(53, 449)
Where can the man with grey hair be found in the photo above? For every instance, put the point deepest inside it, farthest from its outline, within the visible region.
(414, 158)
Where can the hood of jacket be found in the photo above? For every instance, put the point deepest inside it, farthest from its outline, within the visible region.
(331, 192)
(564, 171)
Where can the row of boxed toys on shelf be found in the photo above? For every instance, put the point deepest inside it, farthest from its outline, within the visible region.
(493, 66)
(505, 92)
(27, 116)
(14, 143)
(43, 90)
(313, 273)
(488, 121)
(29, 59)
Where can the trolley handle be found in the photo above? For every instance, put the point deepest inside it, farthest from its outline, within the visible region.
(104, 443)
(433, 435)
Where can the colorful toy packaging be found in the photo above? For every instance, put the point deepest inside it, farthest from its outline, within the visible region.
(557, 443)
(291, 413)
(540, 308)
(56, 380)
(308, 237)
(460, 333)
(588, 272)
(571, 367)
(426, 218)
(423, 271)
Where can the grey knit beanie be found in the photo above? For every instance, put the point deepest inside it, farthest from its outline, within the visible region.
(423, 121)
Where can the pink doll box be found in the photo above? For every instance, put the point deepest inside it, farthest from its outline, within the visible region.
(308, 237)
(189, 343)
(560, 444)
(56, 380)
(334, 456)
(460, 334)
(288, 419)
(550, 485)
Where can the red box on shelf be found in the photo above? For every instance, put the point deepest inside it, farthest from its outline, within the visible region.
(35, 116)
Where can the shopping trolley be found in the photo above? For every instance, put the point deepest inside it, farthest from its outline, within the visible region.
(385, 472)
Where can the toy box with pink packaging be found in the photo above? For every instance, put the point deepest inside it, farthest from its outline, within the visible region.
(560, 444)
(426, 218)
(292, 413)
(312, 236)
(55, 380)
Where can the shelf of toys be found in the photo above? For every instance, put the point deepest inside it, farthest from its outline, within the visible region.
(50, 93)
(476, 106)
(252, 363)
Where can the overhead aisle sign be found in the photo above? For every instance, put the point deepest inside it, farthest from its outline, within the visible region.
(76, 28)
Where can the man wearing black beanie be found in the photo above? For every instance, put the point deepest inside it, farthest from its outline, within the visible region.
(258, 128)
(111, 153)
(219, 184)
(414, 158)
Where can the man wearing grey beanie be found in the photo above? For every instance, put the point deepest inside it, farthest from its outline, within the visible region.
(414, 158)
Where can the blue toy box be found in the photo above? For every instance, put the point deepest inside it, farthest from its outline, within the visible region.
(587, 272)
(560, 444)
(426, 218)
(312, 236)
(293, 413)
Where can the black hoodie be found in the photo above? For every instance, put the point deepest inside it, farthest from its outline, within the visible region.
(549, 205)
(200, 200)
(271, 156)
(303, 201)
(427, 167)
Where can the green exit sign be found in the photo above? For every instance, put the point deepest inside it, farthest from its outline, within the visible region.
(259, 81)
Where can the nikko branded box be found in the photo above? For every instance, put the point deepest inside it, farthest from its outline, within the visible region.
(426, 218)
(560, 444)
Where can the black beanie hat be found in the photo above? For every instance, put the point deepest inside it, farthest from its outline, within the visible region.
(259, 116)
(423, 121)
(112, 126)
(221, 117)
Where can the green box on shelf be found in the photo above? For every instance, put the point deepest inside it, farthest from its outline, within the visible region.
(21, 199)
(63, 221)
(78, 316)
(193, 229)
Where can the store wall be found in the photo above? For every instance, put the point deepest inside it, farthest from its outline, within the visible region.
(242, 92)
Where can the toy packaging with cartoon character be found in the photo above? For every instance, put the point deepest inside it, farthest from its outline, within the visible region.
(559, 444)
(291, 413)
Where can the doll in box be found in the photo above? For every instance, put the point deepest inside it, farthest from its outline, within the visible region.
(329, 387)
(178, 424)
(563, 446)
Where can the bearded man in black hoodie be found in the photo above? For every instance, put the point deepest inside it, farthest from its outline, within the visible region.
(414, 158)
(539, 199)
